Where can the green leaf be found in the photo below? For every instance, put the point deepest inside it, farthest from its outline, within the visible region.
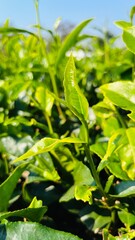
(121, 94)
(15, 30)
(109, 183)
(46, 145)
(128, 32)
(126, 236)
(32, 231)
(83, 184)
(121, 151)
(45, 99)
(127, 218)
(132, 13)
(35, 203)
(84, 193)
(34, 212)
(123, 24)
(70, 40)
(94, 217)
(124, 189)
(8, 186)
(75, 99)
(129, 38)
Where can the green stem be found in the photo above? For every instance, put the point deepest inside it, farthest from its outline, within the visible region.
(49, 123)
(50, 69)
(6, 165)
(91, 162)
(93, 169)
(133, 68)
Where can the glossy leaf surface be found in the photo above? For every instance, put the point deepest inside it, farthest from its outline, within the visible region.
(75, 99)
(71, 40)
(122, 94)
(32, 231)
(8, 186)
(46, 145)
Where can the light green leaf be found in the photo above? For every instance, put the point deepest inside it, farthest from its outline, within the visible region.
(84, 193)
(32, 231)
(126, 236)
(121, 147)
(8, 186)
(83, 184)
(75, 99)
(70, 40)
(35, 203)
(109, 183)
(45, 99)
(121, 94)
(132, 13)
(129, 38)
(123, 24)
(46, 145)
(127, 218)
(128, 32)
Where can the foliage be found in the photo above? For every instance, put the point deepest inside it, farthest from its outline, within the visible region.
(67, 120)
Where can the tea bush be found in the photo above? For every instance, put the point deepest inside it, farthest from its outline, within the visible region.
(67, 120)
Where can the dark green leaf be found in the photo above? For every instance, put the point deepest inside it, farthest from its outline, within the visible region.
(32, 231)
(8, 186)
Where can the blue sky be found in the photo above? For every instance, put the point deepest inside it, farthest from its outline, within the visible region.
(22, 13)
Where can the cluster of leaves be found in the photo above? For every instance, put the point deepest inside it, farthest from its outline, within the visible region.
(67, 134)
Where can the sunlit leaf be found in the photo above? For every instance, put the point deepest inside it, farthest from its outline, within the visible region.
(46, 145)
(128, 33)
(121, 148)
(84, 193)
(70, 40)
(121, 94)
(45, 99)
(83, 184)
(127, 218)
(75, 99)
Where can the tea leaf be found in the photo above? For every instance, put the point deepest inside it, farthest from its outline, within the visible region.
(128, 33)
(45, 99)
(71, 40)
(75, 99)
(121, 148)
(32, 231)
(46, 145)
(127, 218)
(122, 94)
(8, 186)
(132, 13)
(33, 213)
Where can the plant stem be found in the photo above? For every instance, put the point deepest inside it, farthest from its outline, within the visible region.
(91, 162)
(50, 69)
(133, 68)
(49, 123)
(93, 169)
